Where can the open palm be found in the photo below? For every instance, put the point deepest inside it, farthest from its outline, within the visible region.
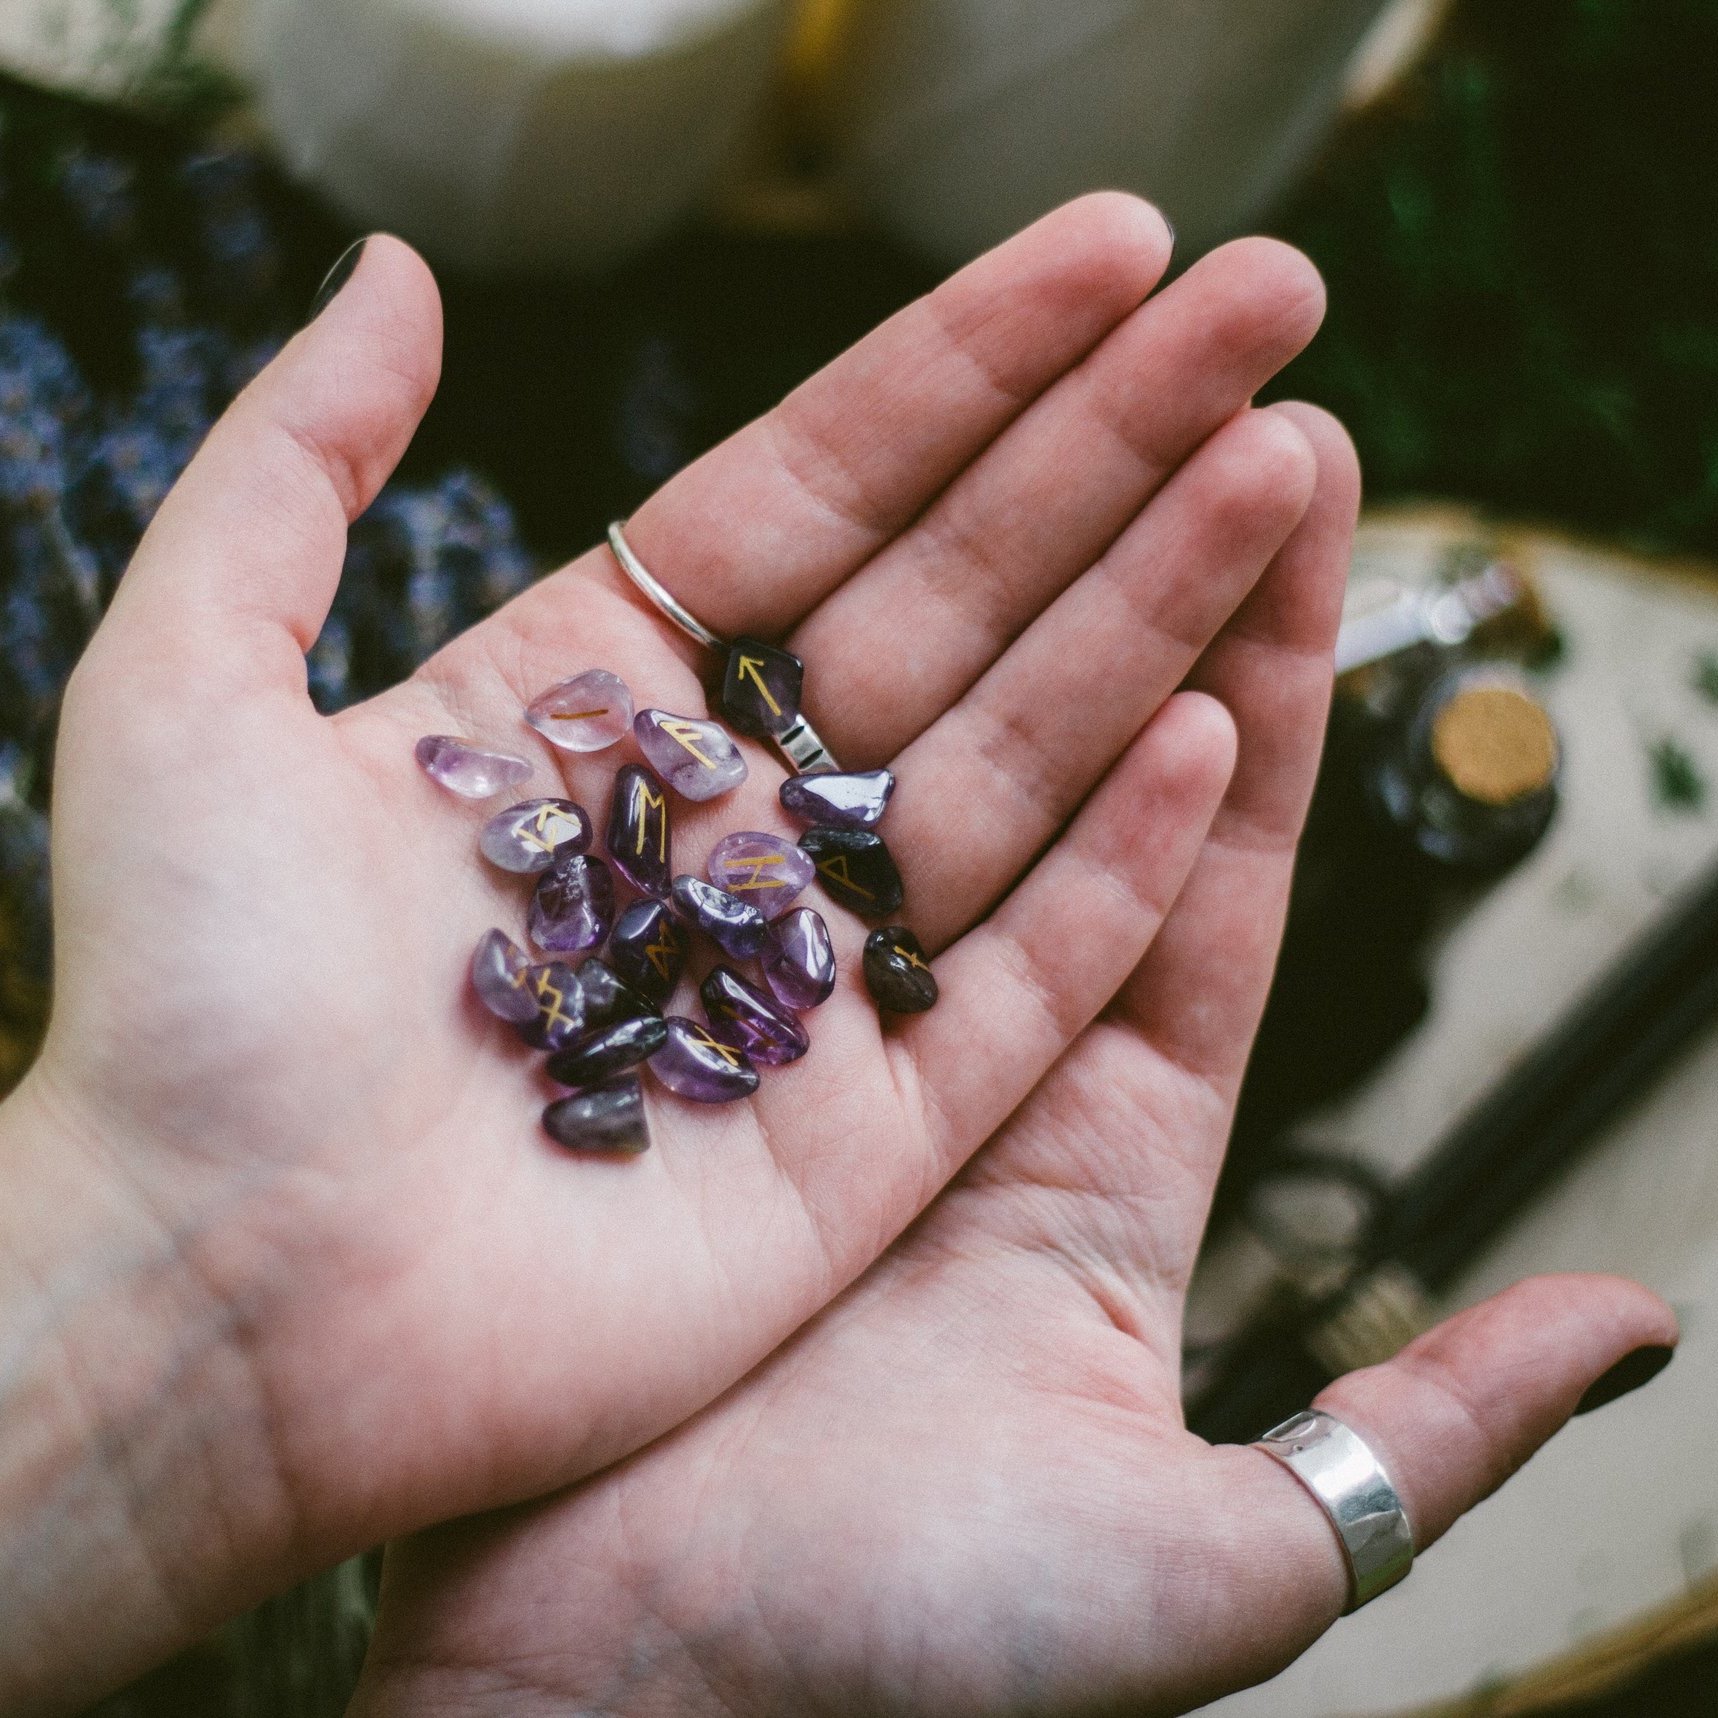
(967, 1486)
(1000, 532)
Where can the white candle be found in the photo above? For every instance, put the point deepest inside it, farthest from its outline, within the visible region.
(508, 133)
(958, 121)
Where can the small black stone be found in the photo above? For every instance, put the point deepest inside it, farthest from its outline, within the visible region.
(856, 869)
(896, 972)
(609, 998)
(761, 688)
(648, 949)
(607, 1119)
(610, 1050)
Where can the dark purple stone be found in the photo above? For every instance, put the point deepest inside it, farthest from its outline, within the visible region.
(741, 1014)
(573, 906)
(526, 837)
(640, 836)
(856, 870)
(648, 949)
(598, 1056)
(838, 801)
(607, 1119)
(896, 972)
(560, 1015)
(608, 998)
(799, 961)
(696, 1064)
(498, 972)
(761, 688)
(737, 928)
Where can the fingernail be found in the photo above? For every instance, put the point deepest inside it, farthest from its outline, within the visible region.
(336, 278)
(1629, 1373)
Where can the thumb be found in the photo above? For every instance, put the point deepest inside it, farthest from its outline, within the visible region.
(234, 577)
(1450, 1418)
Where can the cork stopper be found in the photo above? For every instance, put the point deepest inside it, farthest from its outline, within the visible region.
(1494, 744)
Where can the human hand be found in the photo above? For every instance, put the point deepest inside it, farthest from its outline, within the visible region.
(301, 1271)
(967, 1488)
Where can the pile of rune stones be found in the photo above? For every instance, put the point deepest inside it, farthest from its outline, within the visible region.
(601, 1020)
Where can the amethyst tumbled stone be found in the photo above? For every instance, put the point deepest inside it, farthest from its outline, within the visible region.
(573, 906)
(607, 1119)
(761, 688)
(640, 838)
(856, 869)
(559, 1003)
(498, 974)
(699, 760)
(741, 1014)
(696, 1064)
(761, 869)
(832, 800)
(608, 997)
(648, 949)
(896, 972)
(598, 1056)
(468, 770)
(736, 927)
(585, 714)
(799, 960)
(526, 837)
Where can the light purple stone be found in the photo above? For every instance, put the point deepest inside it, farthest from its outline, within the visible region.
(573, 906)
(585, 714)
(696, 1064)
(526, 837)
(836, 800)
(468, 770)
(558, 1014)
(742, 1015)
(736, 927)
(699, 760)
(762, 869)
(498, 975)
(799, 960)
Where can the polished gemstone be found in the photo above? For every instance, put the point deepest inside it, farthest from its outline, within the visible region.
(896, 972)
(736, 927)
(607, 1119)
(598, 1056)
(838, 801)
(760, 690)
(762, 869)
(799, 960)
(648, 949)
(498, 971)
(527, 836)
(608, 997)
(585, 714)
(856, 869)
(469, 770)
(696, 1064)
(699, 760)
(573, 906)
(560, 1011)
(640, 837)
(741, 1014)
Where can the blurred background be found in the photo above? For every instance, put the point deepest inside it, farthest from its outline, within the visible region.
(1490, 1049)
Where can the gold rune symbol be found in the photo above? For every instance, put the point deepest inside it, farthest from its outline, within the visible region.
(536, 833)
(753, 666)
(755, 879)
(684, 734)
(661, 953)
(910, 958)
(577, 715)
(555, 996)
(726, 1051)
(645, 799)
(835, 868)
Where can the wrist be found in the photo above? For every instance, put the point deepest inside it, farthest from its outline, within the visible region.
(138, 1505)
